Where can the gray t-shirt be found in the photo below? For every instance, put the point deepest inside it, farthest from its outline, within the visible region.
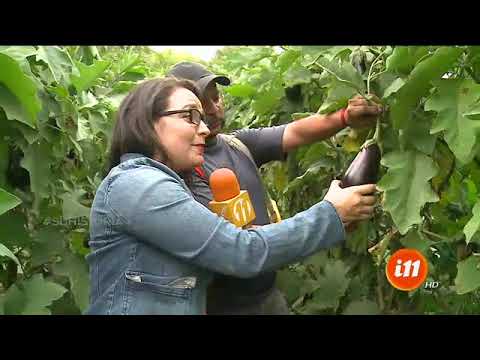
(265, 144)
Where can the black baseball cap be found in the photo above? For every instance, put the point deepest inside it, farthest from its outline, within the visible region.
(197, 73)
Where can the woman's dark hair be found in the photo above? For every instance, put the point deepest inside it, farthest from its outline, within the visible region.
(138, 112)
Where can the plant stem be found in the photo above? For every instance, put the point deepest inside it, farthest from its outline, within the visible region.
(443, 238)
(470, 72)
(381, 301)
(370, 71)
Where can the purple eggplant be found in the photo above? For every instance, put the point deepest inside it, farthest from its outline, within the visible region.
(364, 169)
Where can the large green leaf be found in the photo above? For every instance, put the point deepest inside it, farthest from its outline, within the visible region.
(338, 95)
(48, 243)
(20, 55)
(76, 269)
(13, 230)
(331, 287)
(265, 102)
(20, 85)
(419, 83)
(289, 282)
(362, 307)
(344, 73)
(13, 108)
(37, 161)
(58, 61)
(286, 59)
(297, 74)
(241, 90)
(4, 251)
(72, 208)
(404, 59)
(32, 296)
(393, 87)
(416, 133)
(474, 224)
(8, 201)
(416, 240)
(4, 161)
(406, 186)
(88, 75)
(452, 100)
(468, 276)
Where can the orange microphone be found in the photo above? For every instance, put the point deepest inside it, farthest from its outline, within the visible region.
(228, 200)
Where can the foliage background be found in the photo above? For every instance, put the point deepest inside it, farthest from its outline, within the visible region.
(57, 106)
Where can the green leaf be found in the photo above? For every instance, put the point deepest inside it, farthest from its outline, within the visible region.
(393, 87)
(88, 74)
(316, 261)
(49, 242)
(289, 283)
(468, 275)
(18, 53)
(403, 58)
(296, 75)
(83, 131)
(416, 240)
(419, 83)
(416, 133)
(357, 241)
(4, 251)
(58, 61)
(71, 206)
(8, 201)
(78, 243)
(473, 112)
(265, 102)
(4, 161)
(286, 59)
(76, 269)
(20, 85)
(337, 97)
(450, 102)
(474, 224)
(37, 161)
(32, 296)
(331, 287)
(13, 230)
(345, 73)
(362, 307)
(406, 186)
(241, 90)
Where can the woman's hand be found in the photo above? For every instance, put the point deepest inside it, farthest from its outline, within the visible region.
(354, 203)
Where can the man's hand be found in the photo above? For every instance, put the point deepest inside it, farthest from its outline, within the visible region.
(360, 113)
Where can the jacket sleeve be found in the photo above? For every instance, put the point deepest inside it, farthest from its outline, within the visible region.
(156, 209)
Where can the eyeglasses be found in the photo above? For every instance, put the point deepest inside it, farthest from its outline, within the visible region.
(194, 116)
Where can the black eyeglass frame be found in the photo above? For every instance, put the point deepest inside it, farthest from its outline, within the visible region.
(190, 111)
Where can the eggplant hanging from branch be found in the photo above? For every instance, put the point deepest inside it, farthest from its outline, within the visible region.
(364, 169)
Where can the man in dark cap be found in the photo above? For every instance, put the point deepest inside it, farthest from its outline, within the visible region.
(244, 153)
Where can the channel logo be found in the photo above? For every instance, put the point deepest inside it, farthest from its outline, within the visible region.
(407, 269)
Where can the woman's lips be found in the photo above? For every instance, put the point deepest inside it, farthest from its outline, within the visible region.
(200, 148)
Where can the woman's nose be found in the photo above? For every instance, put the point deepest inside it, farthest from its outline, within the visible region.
(203, 129)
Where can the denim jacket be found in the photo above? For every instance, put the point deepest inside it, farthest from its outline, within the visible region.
(155, 249)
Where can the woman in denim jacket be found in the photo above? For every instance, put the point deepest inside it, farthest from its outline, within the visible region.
(154, 248)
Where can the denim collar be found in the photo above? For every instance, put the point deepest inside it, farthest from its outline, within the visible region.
(130, 156)
(159, 165)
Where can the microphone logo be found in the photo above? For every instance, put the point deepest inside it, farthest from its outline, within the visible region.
(242, 210)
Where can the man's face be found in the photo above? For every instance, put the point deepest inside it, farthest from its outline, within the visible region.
(214, 111)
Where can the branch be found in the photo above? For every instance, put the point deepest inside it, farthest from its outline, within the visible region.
(472, 74)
